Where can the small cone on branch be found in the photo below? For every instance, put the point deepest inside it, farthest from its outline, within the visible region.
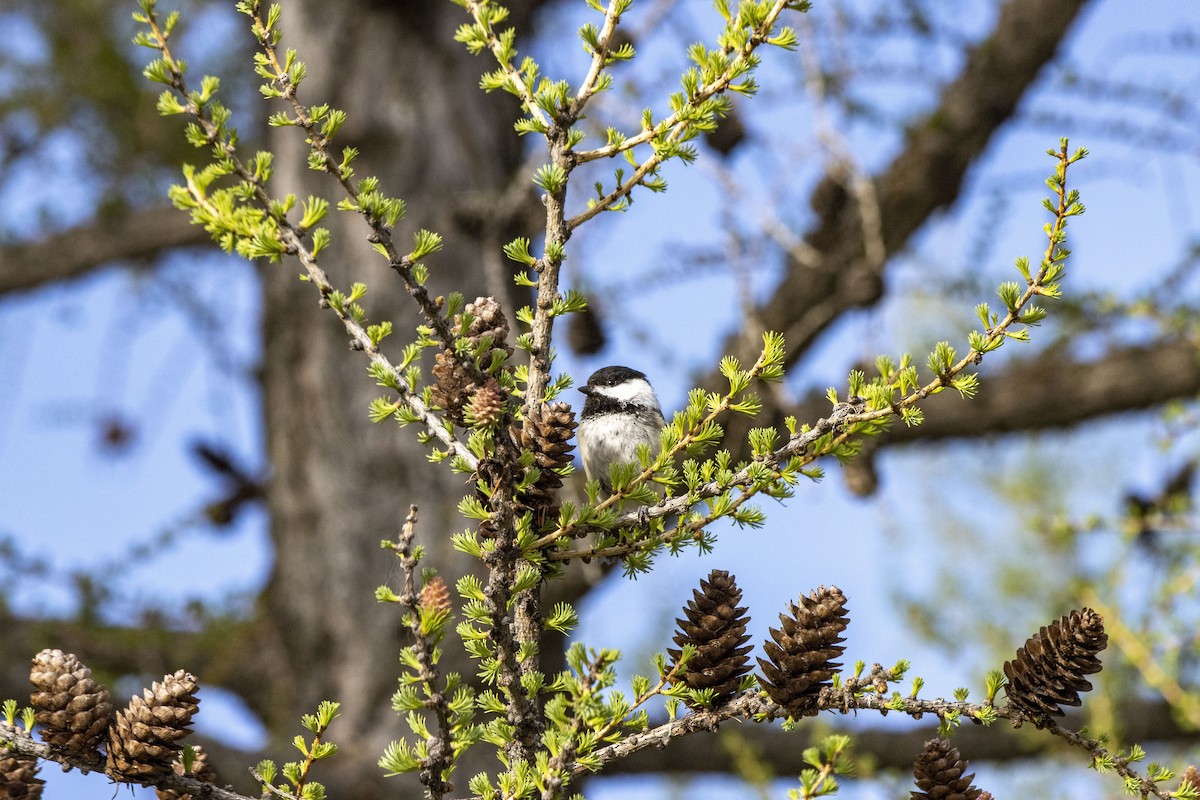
(142, 741)
(494, 472)
(201, 771)
(487, 321)
(939, 774)
(716, 626)
(1190, 779)
(1048, 672)
(72, 708)
(801, 654)
(487, 404)
(18, 774)
(435, 596)
(547, 433)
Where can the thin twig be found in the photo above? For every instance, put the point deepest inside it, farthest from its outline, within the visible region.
(292, 238)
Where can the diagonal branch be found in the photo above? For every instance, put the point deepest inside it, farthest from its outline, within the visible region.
(76, 252)
(1050, 391)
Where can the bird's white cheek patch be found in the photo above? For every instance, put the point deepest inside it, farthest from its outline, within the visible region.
(635, 391)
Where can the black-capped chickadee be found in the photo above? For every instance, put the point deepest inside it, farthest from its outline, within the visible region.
(620, 413)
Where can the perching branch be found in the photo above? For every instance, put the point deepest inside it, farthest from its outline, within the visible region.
(806, 446)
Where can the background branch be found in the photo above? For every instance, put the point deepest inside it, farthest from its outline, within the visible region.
(925, 176)
(1050, 391)
(76, 252)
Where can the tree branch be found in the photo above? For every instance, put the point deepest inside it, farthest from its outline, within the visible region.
(926, 175)
(76, 252)
(888, 747)
(216, 653)
(1050, 391)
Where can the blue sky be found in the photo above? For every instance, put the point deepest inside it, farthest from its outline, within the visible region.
(123, 347)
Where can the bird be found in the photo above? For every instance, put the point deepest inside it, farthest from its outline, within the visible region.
(621, 412)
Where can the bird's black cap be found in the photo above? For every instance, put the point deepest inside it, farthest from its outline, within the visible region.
(610, 376)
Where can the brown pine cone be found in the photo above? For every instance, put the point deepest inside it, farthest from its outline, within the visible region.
(72, 708)
(141, 743)
(717, 628)
(939, 774)
(1049, 670)
(548, 432)
(18, 774)
(487, 321)
(801, 655)
(452, 386)
(201, 771)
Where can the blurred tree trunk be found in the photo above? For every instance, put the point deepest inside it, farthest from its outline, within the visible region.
(341, 484)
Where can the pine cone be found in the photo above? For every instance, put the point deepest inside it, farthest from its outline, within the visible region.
(1190, 778)
(802, 653)
(452, 385)
(487, 404)
(488, 320)
(141, 743)
(201, 771)
(72, 708)
(717, 628)
(435, 595)
(939, 774)
(18, 774)
(547, 433)
(1048, 671)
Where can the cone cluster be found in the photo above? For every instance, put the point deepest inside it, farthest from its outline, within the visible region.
(453, 387)
(72, 708)
(18, 774)
(801, 653)
(939, 774)
(548, 431)
(201, 771)
(1048, 672)
(715, 625)
(488, 321)
(142, 741)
